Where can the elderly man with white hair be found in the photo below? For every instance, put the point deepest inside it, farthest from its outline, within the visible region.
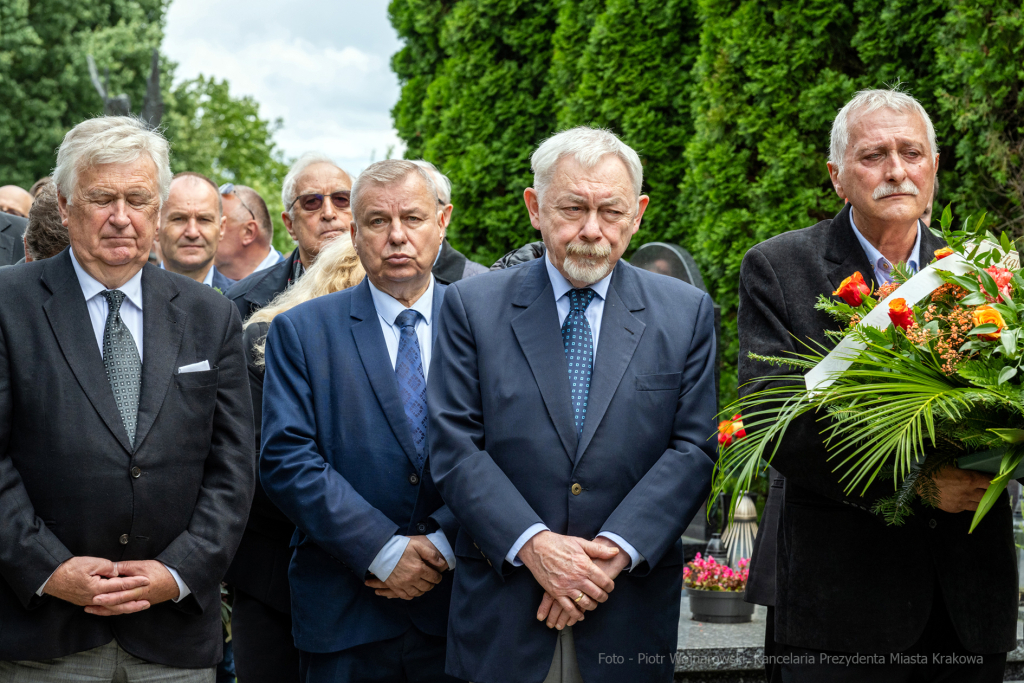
(571, 399)
(851, 598)
(316, 196)
(126, 447)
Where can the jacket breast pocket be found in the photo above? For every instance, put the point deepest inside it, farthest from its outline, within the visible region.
(197, 380)
(668, 381)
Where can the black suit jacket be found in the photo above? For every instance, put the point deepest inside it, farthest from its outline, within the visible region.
(252, 293)
(12, 247)
(452, 265)
(72, 485)
(845, 580)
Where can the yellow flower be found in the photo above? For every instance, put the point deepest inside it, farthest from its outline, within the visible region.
(986, 315)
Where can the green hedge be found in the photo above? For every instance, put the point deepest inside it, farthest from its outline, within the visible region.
(728, 103)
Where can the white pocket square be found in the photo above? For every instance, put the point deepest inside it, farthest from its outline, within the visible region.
(195, 367)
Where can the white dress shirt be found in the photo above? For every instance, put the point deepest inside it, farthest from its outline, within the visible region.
(880, 264)
(273, 258)
(594, 313)
(131, 316)
(388, 309)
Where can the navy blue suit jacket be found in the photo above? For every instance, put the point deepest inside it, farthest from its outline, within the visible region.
(505, 455)
(338, 459)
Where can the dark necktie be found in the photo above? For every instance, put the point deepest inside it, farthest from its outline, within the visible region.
(579, 351)
(122, 363)
(412, 386)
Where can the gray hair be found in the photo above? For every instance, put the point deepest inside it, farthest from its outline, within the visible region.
(288, 191)
(865, 102)
(387, 172)
(441, 181)
(110, 140)
(588, 146)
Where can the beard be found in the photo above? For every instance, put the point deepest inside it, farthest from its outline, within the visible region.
(586, 262)
(886, 189)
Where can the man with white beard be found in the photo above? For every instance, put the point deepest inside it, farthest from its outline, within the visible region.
(851, 598)
(590, 383)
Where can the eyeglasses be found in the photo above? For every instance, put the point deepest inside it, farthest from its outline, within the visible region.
(229, 188)
(313, 202)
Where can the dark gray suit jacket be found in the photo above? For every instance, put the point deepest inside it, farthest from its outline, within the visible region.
(844, 580)
(12, 247)
(505, 454)
(72, 485)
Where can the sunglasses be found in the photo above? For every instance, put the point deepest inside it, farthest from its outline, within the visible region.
(313, 202)
(229, 189)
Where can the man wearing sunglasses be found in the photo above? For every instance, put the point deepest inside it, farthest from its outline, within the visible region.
(315, 194)
(246, 247)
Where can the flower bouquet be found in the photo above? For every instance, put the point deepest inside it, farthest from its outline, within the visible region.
(926, 374)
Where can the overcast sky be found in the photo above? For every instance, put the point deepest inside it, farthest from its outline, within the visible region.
(322, 66)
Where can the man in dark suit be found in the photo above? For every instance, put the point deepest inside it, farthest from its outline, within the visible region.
(344, 448)
(126, 453)
(316, 209)
(845, 582)
(581, 453)
(12, 233)
(191, 227)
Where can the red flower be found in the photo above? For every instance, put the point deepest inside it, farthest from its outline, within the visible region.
(731, 429)
(901, 315)
(853, 289)
(1003, 278)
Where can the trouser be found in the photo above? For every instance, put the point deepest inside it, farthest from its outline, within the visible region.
(105, 664)
(413, 657)
(937, 657)
(262, 640)
(564, 666)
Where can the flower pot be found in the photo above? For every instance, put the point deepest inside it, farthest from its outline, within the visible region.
(719, 607)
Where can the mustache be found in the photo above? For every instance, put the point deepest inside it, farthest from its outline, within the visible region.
(888, 189)
(588, 249)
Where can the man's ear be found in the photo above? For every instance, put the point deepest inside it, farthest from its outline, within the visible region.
(532, 200)
(287, 220)
(62, 207)
(250, 231)
(833, 173)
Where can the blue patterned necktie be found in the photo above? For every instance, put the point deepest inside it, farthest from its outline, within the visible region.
(122, 363)
(579, 351)
(412, 386)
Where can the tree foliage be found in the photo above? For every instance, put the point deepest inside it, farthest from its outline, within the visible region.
(729, 104)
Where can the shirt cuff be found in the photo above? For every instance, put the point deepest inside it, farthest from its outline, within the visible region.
(388, 557)
(512, 556)
(636, 557)
(183, 590)
(440, 541)
(40, 591)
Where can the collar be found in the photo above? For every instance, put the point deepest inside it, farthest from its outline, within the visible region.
(273, 257)
(875, 256)
(562, 286)
(208, 280)
(92, 287)
(388, 307)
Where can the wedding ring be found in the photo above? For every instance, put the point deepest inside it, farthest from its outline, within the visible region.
(579, 598)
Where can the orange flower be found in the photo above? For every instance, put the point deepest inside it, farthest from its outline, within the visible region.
(986, 315)
(853, 289)
(942, 253)
(901, 315)
(731, 429)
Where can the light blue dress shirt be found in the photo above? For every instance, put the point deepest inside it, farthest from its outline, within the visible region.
(594, 314)
(131, 316)
(388, 309)
(880, 264)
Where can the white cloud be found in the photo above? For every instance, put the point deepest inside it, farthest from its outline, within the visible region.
(333, 89)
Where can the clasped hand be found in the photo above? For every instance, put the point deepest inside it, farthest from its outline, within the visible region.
(417, 572)
(576, 574)
(107, 588)
(960, 490)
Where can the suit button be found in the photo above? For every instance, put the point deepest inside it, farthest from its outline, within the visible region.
(576, 489)
(932, 523)
(414, 478)
(123, 539)
(421, 527)
(136, 473)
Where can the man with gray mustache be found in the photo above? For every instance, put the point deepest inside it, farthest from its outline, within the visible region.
(850, 598)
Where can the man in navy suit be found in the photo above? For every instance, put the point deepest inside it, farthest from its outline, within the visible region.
(571, 401)
(345, 452)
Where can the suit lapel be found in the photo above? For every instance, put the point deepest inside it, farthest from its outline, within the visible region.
(845, 253)
(69, 319)
(374, 354)
(540, 338)
(163, 324)
(620, 334)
